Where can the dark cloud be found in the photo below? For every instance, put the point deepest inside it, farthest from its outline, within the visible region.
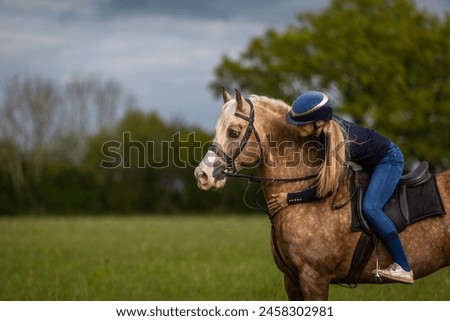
(163, 52)
(214, 9)
(267, 11)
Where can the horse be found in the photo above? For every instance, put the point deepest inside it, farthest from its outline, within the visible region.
(312, 243)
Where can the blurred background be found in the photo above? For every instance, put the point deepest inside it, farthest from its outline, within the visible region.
(76, 75)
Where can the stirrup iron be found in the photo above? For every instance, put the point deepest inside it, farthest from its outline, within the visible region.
(377, 276)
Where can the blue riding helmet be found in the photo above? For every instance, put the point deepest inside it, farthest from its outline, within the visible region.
(310, 107)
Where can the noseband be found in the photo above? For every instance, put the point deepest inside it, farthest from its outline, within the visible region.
(230, 167)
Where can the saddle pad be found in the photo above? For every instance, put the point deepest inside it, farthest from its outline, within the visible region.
(423, 201)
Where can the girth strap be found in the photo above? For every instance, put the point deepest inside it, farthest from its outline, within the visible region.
(360, 258)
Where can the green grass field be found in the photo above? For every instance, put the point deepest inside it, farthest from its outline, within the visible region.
(182, 257)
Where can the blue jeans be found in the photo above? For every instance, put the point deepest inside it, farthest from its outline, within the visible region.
(382, 184)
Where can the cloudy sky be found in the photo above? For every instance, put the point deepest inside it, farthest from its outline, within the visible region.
(162, 52)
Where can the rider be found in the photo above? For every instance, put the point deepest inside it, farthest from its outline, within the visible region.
(343, 141)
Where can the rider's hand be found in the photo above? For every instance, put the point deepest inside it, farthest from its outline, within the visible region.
(277, 202)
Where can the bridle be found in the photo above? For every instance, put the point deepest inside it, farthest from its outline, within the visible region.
(230, 161)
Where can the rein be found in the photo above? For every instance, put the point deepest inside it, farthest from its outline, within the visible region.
(259, 179)
(230, 168)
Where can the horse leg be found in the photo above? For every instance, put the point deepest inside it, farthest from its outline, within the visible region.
(314, 286)
(291, 284)
(293, 290)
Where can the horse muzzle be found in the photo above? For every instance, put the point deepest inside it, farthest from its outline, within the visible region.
(206, 179)
(209, 173)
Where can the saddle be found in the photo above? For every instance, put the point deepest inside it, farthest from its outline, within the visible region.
(415, 198)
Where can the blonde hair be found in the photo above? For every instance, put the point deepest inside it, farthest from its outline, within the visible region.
(334, 165)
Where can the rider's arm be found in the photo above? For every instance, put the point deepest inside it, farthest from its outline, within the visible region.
(305, 196)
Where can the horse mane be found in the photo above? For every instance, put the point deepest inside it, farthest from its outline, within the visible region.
(276, 109)
(331, 171)
(270, 118)
(275, 105)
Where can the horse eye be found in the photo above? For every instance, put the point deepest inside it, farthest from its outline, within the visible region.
(233, 134)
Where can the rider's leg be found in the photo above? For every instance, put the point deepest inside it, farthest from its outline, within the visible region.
(382, 184)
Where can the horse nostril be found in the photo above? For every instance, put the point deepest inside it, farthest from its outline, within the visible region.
(202, 177)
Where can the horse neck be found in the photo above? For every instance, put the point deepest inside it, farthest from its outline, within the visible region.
(286, 153)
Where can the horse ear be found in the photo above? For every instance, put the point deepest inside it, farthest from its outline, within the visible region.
(240, 103)
(226, 96)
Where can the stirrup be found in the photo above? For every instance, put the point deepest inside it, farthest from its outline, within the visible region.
(377, 275)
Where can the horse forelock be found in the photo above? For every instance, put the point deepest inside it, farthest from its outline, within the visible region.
(229, 108)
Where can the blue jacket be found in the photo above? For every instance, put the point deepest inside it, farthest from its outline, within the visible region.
(366, 148)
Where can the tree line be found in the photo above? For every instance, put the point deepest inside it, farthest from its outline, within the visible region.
(87, 147)
(385, 63)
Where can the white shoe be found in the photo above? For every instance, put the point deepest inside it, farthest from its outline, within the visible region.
(395, 272)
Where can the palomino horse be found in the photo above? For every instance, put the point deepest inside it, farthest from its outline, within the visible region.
(311, 243)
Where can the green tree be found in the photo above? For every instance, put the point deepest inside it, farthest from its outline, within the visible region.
(146, 164)
(385, 63)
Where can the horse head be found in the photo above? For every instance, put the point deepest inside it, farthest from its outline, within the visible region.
(236, 143)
